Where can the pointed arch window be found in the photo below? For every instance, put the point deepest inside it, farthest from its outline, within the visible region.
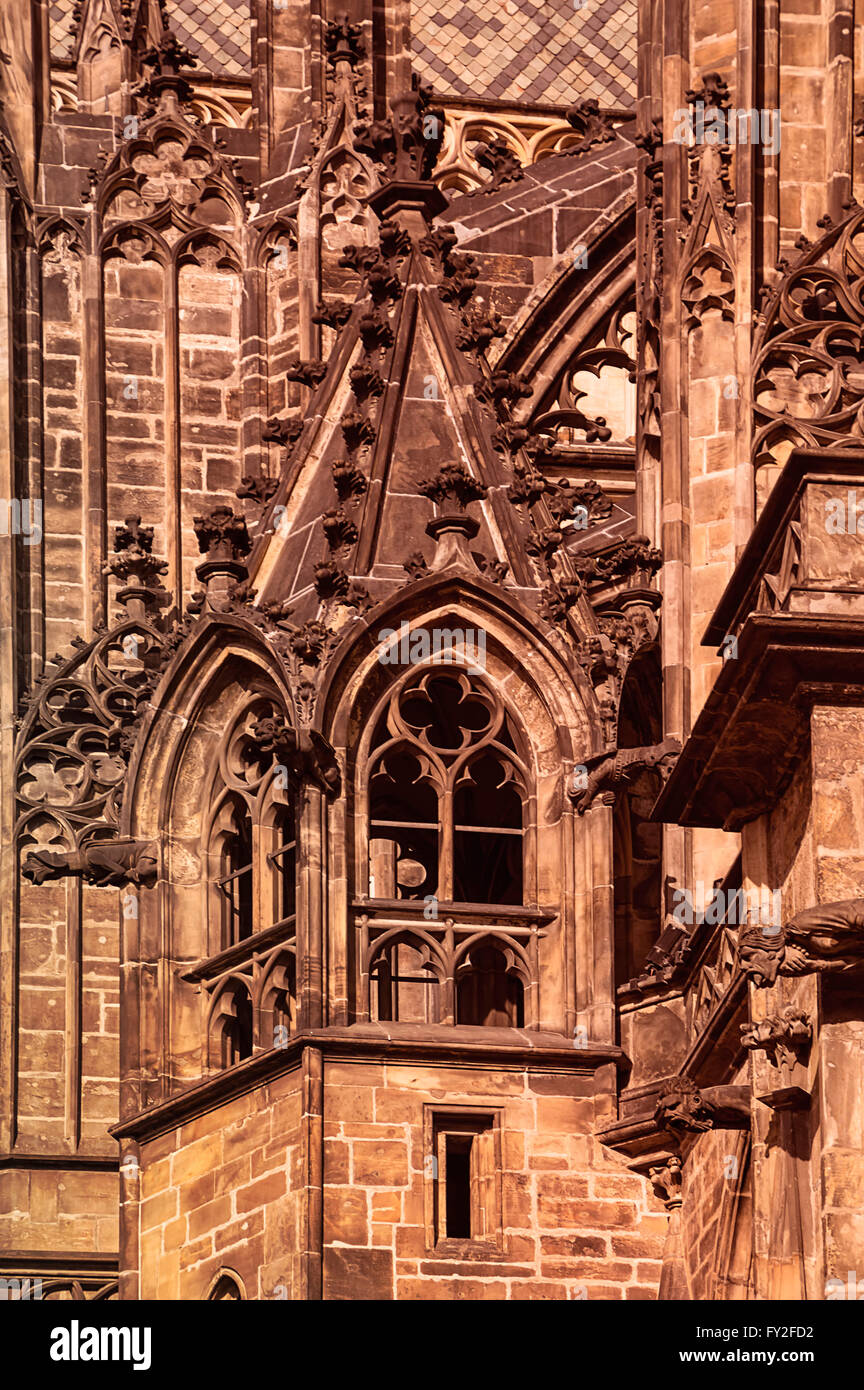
(249, 973)
(447, 792)
(234, 879)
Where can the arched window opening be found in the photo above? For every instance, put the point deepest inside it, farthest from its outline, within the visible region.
(282, 863)
(406, 987)
(403, 838)
(637, 840)
(487, 833)
(447, 795)
(235, 877)
(489, 993)
(252, 852)
(226, 1288)
(231, 1025)
(278, 1002)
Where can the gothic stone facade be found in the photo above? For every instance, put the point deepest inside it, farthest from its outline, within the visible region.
(429, 440)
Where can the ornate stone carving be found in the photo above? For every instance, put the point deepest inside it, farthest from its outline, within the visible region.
(502, 387)
(330, 581)
(407, 144)
(479, 331)
(611, 773)
(222, 535)
(348, 480)
(307, 373)
(343, 41)
(416, 565)
(635, 560)
(366, 381)
(600, 375)
(333, 313)
(684, 1107)
(282, 431)
(305, 751)
(105, 864)
(784, 1036)
(666, 1179)
(501, 162)
(357, 430)
(339, 529)
(136, 567)
(375, 331)
(80, 723)
(826, 939)
(452, 485)
(805, 383)
(591, 125)
(258, 488)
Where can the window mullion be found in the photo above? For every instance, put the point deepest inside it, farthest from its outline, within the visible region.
(445, 844)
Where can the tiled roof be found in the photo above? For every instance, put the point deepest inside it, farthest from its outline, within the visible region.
(60, 17)
(217, 32)
(543, 51)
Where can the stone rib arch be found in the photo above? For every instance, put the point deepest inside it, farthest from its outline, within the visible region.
(570, 302)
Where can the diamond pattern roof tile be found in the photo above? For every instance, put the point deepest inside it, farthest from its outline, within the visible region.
(579, 53)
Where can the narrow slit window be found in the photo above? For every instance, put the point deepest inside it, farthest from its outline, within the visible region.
(466, 1178)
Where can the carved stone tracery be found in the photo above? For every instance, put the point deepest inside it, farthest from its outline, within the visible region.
(807, 385)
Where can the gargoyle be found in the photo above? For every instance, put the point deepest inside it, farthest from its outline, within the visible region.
(104, 863)
(614, 772)
(685, 1108)
(305, 750)
(820, 940)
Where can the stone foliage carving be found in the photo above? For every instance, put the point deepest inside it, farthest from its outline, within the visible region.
(782, 1036)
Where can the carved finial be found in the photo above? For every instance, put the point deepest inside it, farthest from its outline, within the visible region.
(223, 537)
(451, 489)
(164, 88)
(407, 146)
(134, 564)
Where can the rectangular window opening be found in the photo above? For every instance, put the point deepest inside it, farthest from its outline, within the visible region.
(465, 1177)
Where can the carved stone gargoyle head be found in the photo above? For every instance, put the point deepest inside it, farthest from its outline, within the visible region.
(827, 938)
(685, 1108)
(305, 751)
(103, 863)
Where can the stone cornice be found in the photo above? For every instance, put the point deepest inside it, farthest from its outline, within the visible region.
(805, 468)
(510, 1049)
(745, 743)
